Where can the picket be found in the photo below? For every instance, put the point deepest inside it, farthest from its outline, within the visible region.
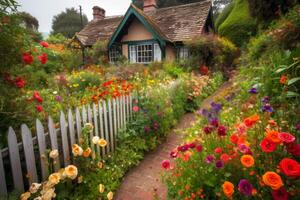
(64, 138)
(71, 127)
(107, 117)
(42, 148)
(3, 189)
(29, 154)
(15, 162)
(53, 139)
(78, 123)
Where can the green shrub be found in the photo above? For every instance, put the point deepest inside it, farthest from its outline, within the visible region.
(223, 15)
(83, 80)
(172, 69)
(239, 25)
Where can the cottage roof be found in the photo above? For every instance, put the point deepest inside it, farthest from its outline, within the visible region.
(176, 23)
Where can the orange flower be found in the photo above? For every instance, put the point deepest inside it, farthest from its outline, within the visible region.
(228, 189)
(247, 160)
(273, 136)
(273, 180)
(283, 79)
(86, 153)
(250, 121)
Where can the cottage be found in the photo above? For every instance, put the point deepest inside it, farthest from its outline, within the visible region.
(151, 34)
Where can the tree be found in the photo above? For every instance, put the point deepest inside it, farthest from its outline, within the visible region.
(29, 21)
(219, 5)
(68, 22)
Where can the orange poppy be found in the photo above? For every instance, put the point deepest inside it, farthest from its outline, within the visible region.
(247, 160)
(273, 136)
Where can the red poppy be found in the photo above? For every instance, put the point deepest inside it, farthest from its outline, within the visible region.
(286, 137)
(36, 96)
(280, 194)
(44, 44)
(43, 58)
(267, 145)
(39, 108)
(27, 58)
(166, 164)
(290, 167)
(203, 70)
(19, 82)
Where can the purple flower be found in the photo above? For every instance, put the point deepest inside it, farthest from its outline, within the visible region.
(209, 159)
(243, 148)
(216, 107)
(219, 164)
(298, 126)
(266, 99)
(214, 122)
(155, 126)
(245, 187)
(253, 90)
(58, 98)
(267, 108)
(222, 130)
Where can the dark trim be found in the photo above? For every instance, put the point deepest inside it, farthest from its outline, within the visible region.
(138, 41)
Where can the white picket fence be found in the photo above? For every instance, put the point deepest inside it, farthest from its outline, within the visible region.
(107, 117)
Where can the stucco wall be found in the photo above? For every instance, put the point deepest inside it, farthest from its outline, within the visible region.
(137, 31)
(125, 50)
(170, 53)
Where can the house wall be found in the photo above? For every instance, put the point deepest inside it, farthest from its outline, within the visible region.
(137, 31)
(125, 50)
(170, 53)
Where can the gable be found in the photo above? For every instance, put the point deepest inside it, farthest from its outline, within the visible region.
(136, 31)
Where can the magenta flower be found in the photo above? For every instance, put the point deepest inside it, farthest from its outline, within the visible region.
(58, 98)
(245, 187)
(166, 164)
(219, 164)
(280, 194)
(199, 148)
(222, 130)
(209, 159)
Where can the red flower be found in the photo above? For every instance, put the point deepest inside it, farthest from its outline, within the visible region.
(27, 58)
(283, 79)
(39, 108)
(286, 137)
(166, 164)
(222, 130)
(225, 157)
(294, 149)
(43, 58)
(218, 150)
(267, 145)
(203, 70)
(135, 108)
(19, 82)
(234, 138)
(250, 121)
(36, 96)
(199, 148)
(44, 44)
(290, 167)
(208, 129)
(280, 194)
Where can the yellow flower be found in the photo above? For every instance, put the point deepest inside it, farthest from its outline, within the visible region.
(87, 152)
(53, 154)
(100, 165)
(101, 188)
(48, 194)
(62, 173)
(71, 171)
(54, 178)
(110, 195)
(102, 143)
(77, 150)
(34, 187)
(25, 196)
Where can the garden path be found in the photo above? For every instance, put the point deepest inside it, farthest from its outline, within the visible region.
(144, 181)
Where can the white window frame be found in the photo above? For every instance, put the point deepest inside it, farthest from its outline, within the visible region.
(183, 53)
(114, 54)
(144, 52)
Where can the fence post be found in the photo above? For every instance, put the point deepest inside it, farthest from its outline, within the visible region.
(3, 189)
(111, 137)
(53, 139)
(90, 120)
(106, 125)
(71, 127)
(29, 154)
(15, 162)
(64, 138)
(42, 148)
(78, 123)
(95, 112)
(100, 107)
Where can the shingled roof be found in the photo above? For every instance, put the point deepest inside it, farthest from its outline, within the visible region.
(177, 23)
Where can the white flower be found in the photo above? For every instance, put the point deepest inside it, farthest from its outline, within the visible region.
(34, 187)
(77, 150)
(95, 139)
(55, 92)
(53, 154)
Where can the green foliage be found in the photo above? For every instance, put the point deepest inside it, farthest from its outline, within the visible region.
(241, 20)
(223, 15)
(172, 69)
(98, 53)
(30, 22)
(56, 39)
(68, 22)
(84, 79)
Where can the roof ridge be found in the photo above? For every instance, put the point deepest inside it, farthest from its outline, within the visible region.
(177, 6)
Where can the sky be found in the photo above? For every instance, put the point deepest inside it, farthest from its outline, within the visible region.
(44, 10)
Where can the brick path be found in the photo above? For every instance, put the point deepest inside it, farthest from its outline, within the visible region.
(144, 181)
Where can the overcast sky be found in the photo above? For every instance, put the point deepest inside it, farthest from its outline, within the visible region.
(44, 10)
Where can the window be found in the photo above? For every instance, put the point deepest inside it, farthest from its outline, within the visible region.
(114, 53)
(183, 53)
(144, 53)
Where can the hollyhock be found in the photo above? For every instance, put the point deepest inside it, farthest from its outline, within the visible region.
(36, 96)
(27, 58)
(208, 129)
(267, 145)
(245, 187)
(294, 149)
(19, 82)
(222, 130)
(44, 44)
(43, 58)
(166, 164)
(290, 167)
(280, 194)
(286, 137)
(209, 159)
(39, 108)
